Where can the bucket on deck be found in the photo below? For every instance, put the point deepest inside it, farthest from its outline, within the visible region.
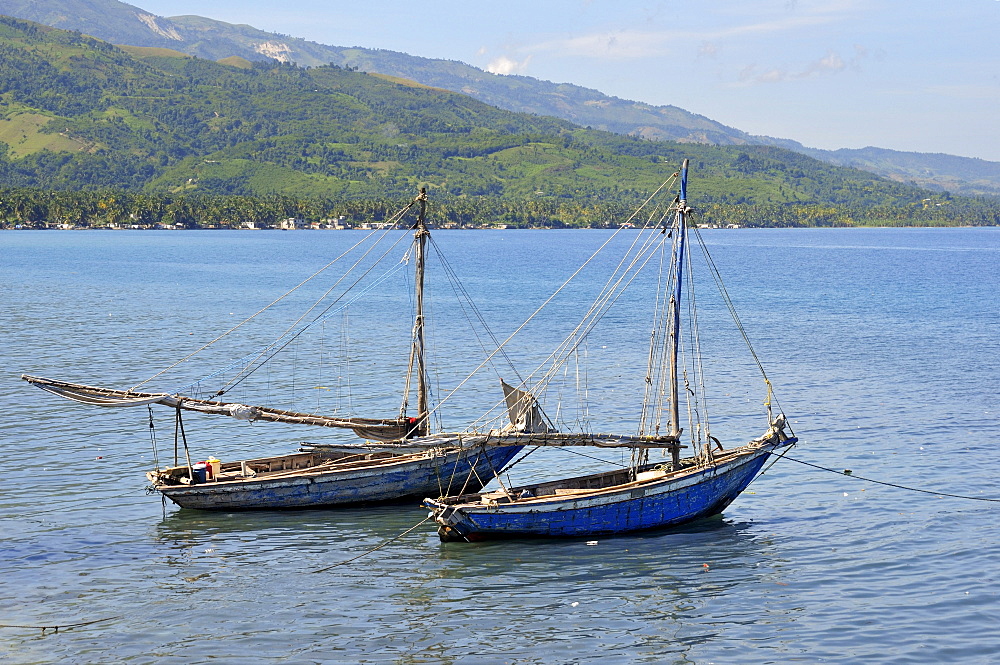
(214, 467)
(199, 473)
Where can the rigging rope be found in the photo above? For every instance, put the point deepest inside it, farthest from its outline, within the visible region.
(716, 275)
(463, 297)
(152, 438)
(548, 300)
(616, 285)
(579, 454)
(235, 381)
(591, 318)
(659, 372)
(699, 395)
(392, 221)
(657, 340)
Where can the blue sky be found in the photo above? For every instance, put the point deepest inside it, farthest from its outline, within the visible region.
(909, 75)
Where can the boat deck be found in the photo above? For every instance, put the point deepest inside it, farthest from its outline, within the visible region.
(271, 467)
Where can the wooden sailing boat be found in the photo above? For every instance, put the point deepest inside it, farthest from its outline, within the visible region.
(645, 495)
(404, 460)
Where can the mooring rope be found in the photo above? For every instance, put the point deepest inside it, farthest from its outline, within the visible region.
(850, 474)
(374, 549)
(56, 628)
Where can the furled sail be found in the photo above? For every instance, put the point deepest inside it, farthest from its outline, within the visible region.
(387, 429)
(594, 440)
(525, 414)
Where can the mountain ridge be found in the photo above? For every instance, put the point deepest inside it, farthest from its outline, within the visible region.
(80, 115)
(119, 22)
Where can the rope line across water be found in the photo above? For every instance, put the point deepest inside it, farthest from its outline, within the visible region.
(374, 549)
(56, 628)
(850, 474)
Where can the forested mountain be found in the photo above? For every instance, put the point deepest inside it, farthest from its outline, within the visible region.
(122, 23)
(936, 171)
(80, 114)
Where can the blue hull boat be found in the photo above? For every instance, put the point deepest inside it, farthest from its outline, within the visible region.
(401, 457)
(640, 496)
(609, 503)
(319, 479)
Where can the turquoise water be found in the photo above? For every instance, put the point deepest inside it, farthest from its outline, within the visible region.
(883, 346)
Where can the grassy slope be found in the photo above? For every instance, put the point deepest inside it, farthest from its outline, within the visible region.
(118, 22)
(158, 121)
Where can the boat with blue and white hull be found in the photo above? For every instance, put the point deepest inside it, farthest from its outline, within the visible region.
(400, 458)
(621, 501)
(642, 495)
(342, 476)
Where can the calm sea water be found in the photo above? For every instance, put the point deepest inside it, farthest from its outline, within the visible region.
(883, 346)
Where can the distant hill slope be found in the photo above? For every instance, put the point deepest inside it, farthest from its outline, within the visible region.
(122, 23)
(962, 175)
(110, 20)
(967, 176)
(80, 114)
(214, 40)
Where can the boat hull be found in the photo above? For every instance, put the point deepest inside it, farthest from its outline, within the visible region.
(405, 476)
(670, 501)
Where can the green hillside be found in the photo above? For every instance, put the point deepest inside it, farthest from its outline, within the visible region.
(121, 23)
(81, 114)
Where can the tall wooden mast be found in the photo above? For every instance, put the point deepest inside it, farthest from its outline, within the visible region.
(675, 324)
(421, 234)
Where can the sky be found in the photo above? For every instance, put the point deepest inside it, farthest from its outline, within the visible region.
(910, 75)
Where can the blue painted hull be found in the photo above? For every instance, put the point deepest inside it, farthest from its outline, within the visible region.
(635, 506)
(400, 477)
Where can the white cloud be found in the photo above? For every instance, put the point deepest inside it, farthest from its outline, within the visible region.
(785, 24)
(619, 44)
(831, 63)
(505, 65)
(634, 44)
(708, 50)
